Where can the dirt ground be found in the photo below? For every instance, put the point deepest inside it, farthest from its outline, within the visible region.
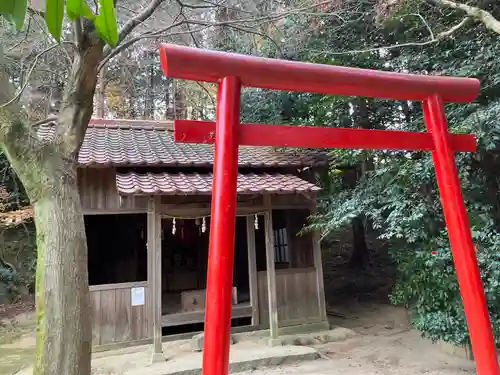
(403, 353)
(17, 337)
(384, 344)
(357, 299)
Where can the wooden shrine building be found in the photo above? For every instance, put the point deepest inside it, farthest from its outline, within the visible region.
(146, 202)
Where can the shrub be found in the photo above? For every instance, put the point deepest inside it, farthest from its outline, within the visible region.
(427, 285)
(9, 283)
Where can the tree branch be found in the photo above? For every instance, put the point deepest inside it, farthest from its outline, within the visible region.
(478, 14)
(128, 43)
(263, 35)
(24, 38)
(44, 121)
(78, 29)
(434, 39)
(230, 23)
(26, 81)
(452, 30)
(181, 13)
(205, 25)
(193, 6)
(208, 94)
(141, 17)
(78, 98)
(132, 23)
(431, 33)
(43, 29)
(18, 140)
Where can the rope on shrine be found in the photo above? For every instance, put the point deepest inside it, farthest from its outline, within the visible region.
(203, 218)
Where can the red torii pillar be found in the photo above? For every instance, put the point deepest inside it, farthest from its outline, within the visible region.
(231, 72)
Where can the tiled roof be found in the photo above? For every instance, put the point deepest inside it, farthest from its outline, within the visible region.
(13, 218)
(195, 183)
(145, 143)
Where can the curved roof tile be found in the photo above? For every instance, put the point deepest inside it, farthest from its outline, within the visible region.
(198, 184)
(144, 143)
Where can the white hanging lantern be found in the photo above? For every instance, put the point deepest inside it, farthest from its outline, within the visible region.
(256, 222)
(173, 226)
(203, 225)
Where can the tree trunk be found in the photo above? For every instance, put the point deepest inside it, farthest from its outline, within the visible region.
(179, 102)
(48, 172)
(101, 92)
(150, 97)
(62, 294)
(360, 256)
(167, 98)
(64, 335)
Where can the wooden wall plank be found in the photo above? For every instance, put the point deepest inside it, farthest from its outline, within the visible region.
(263, 300)
(97, 187)
(115, 320)
(144, 317)
(298, 305)
(271, 271)
(123, 328)
(318, 265)
(138, 314)
(108, 316)
(252, 270)
(95, 300)
(154, 244)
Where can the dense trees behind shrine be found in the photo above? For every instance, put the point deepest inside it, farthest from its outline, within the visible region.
(391, 195)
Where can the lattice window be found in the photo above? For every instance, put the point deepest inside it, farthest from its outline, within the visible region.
(281, 254)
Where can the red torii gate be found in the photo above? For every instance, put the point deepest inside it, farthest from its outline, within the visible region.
(232, 72)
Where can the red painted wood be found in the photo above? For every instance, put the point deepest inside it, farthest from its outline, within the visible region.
(222, 231)
(210, 66)
(464, 255)
(190, 131)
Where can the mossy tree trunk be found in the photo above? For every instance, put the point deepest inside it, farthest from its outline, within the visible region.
(48, 171)
(64, 334)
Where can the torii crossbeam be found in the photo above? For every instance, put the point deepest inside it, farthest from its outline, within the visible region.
(232, 72)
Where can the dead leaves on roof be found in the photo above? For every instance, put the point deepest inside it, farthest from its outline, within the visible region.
(17, 217)
(12, 218)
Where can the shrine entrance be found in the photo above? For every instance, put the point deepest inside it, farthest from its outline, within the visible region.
(232, 72)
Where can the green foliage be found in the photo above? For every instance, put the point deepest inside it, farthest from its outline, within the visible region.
(18, 248)
(427, 284)
(399, 197)
(54, 15)
(78, 8)
(19, 13)
(14, 11)
(9, 283)
(105, 22)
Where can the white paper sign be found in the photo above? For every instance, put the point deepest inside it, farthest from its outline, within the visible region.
(137, 296)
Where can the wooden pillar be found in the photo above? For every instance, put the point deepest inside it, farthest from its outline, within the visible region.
(293, 256)
(318, 265)
(271, 271)
(252, 270)
(154, 275)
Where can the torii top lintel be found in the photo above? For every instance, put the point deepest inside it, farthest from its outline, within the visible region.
(232, 71)
(210, 66)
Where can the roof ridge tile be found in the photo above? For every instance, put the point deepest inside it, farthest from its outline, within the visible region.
(147, 183)
(111, 144)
